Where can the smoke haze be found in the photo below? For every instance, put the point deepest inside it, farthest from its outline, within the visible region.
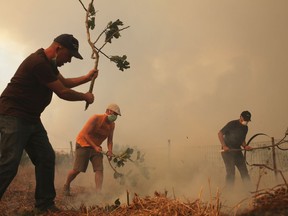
(195, 65)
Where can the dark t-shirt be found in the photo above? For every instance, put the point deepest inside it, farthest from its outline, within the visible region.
(234, 134)
(26, 95)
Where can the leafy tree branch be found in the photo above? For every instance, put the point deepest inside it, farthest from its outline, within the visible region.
(111, 32)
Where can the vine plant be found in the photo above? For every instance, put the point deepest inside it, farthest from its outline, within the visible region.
(120, 160)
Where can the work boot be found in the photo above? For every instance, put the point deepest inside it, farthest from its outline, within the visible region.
(66, 190)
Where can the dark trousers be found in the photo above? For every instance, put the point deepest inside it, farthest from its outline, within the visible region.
(232, 160)
(17, 135)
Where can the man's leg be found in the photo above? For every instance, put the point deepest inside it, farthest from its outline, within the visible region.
(80, 165)
(98, 180)
(241, 166)
(13, 136)
(228, 159)
(42, 156)
(70, 177)
(97, 162)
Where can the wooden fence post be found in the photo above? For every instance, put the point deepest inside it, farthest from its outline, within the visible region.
(274, 159)
(71, 150)
(169, 152)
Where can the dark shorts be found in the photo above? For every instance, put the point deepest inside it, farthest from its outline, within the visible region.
(83, 155)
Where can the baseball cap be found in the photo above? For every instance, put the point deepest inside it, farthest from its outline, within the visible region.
(69, 42)
(246, 115)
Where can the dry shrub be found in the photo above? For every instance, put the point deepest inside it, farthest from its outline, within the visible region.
(270, 202)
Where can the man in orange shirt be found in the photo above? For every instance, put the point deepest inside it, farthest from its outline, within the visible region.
(88, 146)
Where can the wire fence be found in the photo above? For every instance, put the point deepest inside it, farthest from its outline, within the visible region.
(263, 154)
(267, 158)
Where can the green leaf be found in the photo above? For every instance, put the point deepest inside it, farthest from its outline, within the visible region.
(117, 202)
(119, 163)
(92, 11)
(121, 62)
(113, 30)
(117, 175)
(129, 151)
(91, 23)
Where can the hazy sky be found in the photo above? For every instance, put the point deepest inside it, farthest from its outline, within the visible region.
(195, 65)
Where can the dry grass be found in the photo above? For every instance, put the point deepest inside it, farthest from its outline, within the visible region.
(19, 200)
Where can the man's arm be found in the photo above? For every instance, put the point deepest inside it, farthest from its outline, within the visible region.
(110, 145)
(245, 146)
(73, 82)
(68, 94)
(221, 138)
(89, 130)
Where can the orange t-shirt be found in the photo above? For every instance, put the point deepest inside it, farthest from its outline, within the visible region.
(98, 128)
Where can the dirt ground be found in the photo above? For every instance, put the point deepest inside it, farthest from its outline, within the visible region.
(19, 200)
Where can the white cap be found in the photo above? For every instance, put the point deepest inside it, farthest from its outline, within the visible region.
(115, 108)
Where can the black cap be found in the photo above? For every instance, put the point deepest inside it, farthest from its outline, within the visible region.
(69, 42)
(246, 115)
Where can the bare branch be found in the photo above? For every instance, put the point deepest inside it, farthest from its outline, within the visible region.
(100, 35)
(102, 52)
(112, 37)
(93, 49)
(83, 5)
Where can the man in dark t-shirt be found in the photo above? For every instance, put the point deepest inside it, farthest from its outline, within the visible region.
(232, 137)
(21, 103)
